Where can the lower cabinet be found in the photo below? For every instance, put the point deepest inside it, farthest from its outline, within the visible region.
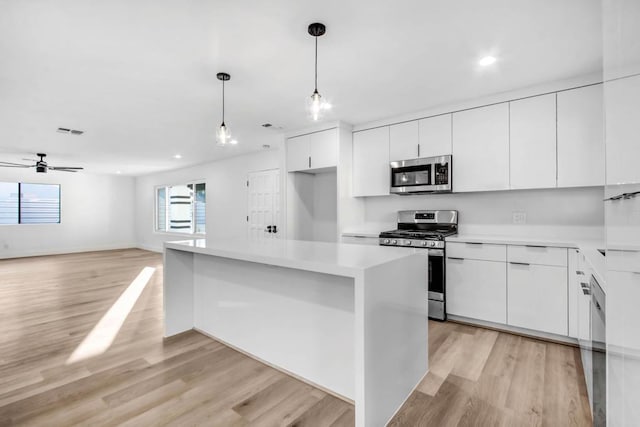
(477, 289)
(537, 297)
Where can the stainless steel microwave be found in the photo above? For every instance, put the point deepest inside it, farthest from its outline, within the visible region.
(424, 175)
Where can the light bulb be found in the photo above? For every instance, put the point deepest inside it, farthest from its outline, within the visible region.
(223, 135)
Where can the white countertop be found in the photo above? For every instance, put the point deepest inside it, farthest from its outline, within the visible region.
(330, 258)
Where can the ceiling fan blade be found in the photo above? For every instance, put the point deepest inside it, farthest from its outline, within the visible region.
(15, 164)
(65, 167)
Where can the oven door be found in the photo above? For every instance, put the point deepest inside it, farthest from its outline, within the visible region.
(436, 284)
(426, 175)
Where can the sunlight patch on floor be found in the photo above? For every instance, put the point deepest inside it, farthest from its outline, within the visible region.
(105, 331)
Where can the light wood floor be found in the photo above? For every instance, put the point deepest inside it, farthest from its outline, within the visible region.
(48, 305)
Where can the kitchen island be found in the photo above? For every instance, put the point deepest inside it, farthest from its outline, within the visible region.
(349, 319)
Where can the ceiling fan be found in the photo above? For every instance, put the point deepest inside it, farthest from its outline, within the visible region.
(41, 165)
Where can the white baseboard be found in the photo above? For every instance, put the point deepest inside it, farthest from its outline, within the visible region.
(61, 251)
(150, 248)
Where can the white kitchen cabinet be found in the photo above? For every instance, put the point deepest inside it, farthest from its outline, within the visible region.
(313, 151)
(622, 103)
(298, 153)
(537, 297)
(477, 289)
(581, 137)
(371, 173)
(533, 142)
(481, 149)
(404, 141)
(323, 148)
(435, 136)
(540, 255)
(574, 292)
(477, 250)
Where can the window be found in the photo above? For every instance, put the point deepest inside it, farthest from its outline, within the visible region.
(181, 208)
(22, 203)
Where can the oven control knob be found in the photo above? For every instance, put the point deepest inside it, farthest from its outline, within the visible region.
(394, 242)
(424, 243)
(386, 241)
(407, 242)
(432, 244)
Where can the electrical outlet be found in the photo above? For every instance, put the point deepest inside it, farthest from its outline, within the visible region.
(519, 217)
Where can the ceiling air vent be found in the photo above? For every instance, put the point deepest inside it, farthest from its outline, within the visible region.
(71, 131)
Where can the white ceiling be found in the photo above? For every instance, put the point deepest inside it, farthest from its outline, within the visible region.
(139, 76)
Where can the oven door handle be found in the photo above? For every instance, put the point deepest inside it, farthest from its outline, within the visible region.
(436, 252)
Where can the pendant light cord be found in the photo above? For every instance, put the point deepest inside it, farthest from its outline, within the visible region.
(222, 101)
(316, 65)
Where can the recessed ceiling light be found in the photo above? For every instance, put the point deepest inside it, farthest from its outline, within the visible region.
(118, 172)
(487, 60)
(177, 156)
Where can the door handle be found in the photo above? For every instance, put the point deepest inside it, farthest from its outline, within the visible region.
(274, 229)
(309, 162)
(454, 258)
(580, 273)
(519, 263)
(268, 230)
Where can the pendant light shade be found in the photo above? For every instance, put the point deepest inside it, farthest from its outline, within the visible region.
(223, 135)
(316, 105)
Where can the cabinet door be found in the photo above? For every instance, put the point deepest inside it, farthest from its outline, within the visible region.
(622, 103)
(435, 136)
(574, 292)
(298, 153)
(323, 148)
(403, 141)
(477, 289)
(580, 137)
(481, 149)
(371, 173)
(537, 297)
(533, 142)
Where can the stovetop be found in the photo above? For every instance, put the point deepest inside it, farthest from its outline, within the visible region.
(418, 234)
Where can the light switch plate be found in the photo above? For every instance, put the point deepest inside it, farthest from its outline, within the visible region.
(519, 217)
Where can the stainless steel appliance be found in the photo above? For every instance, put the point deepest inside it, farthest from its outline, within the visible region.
(424, 175)
(598, 354)
(427, 230)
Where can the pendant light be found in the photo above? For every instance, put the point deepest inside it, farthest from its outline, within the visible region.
(223, 135)
(316, 105)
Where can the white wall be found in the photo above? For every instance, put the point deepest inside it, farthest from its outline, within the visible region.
(325, 207)
(97, 213)
(571, 212)
(226, 196)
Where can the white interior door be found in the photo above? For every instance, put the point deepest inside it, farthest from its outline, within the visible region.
(263, 214)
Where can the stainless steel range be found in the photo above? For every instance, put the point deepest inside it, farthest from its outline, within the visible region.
(427, 230)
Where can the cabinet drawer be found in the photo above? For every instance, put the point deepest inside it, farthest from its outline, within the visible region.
(619, 260)
(480, 251)
(539, 255)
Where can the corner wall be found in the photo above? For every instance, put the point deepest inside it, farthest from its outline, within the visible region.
(97, 213)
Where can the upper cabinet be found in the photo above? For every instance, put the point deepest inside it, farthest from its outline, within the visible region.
(481, 149)
(428, 137)
(622, 98)
(435, 136)
(371, 175)
(404, 141)
(533, 142)
(580, 137)
(313, 151)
